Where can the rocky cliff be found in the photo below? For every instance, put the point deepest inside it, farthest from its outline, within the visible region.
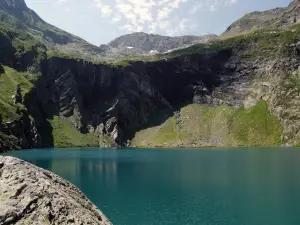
(225, 93)
(31, 195)
(115, 102)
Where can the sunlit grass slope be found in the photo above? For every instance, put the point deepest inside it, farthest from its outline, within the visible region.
(201, 125)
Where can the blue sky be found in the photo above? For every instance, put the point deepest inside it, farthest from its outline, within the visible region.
(100, 21)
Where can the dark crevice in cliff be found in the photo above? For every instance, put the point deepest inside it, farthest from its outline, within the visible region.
(41, 117)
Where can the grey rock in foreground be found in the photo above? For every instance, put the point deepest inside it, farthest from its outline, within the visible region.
(31, 195)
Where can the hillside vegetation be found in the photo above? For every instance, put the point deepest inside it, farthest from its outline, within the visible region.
(202, 125)
(239, 90)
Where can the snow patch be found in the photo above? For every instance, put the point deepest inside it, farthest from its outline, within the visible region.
(154, 52)
(171, 50)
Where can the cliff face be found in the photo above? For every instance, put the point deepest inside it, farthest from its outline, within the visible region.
(240, 82)
(120, 101)
(30, 195)
(116, 100)
(110, 105)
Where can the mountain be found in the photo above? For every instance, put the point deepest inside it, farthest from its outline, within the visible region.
(275, 18)
(144, 43)
(17, 17)
(235, 91)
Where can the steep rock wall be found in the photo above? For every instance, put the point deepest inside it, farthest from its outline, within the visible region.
(118, 101)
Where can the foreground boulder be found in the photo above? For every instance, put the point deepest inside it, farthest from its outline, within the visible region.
(31, 195)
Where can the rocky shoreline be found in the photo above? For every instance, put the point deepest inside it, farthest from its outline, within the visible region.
(31, 195)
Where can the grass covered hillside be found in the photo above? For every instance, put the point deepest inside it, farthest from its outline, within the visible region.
(14, 86)
(203, 125)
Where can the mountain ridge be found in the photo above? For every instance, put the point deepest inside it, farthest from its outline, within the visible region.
(15, 14)
(60, 41)
(145, 43)
(208, 94)
(274, 18)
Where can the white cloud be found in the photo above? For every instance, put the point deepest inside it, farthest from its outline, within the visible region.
(61, 1)
(116, 18)
(196, 8)
(106, 10)
(164, 25)
(232, 1)
(211, 5)
(163, 13)
(156, 15)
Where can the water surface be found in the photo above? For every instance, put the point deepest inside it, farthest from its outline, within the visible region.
(183, 187)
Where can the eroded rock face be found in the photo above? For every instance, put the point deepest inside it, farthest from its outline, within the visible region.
(116, 100)
(31, 195)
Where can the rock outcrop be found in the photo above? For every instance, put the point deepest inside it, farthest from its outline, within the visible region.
(31, 195)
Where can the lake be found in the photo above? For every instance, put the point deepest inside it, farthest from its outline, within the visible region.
(183, 187)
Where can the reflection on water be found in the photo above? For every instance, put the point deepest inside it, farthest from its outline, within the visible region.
(106, 170)
(207, 187)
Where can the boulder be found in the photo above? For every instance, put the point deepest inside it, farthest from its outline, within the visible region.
(31, 195)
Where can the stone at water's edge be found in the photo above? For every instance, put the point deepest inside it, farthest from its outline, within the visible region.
(31, 195)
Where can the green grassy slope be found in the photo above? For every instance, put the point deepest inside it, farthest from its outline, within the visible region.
(10, 80)
(201, 125)
(66, 135)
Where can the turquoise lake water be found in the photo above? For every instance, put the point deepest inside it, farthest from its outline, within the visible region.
(183, 187)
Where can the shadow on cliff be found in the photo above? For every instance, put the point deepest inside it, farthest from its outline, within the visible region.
(186, 80)
(157, 118)
(41, 116)
(31, 100)
(176, 83)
